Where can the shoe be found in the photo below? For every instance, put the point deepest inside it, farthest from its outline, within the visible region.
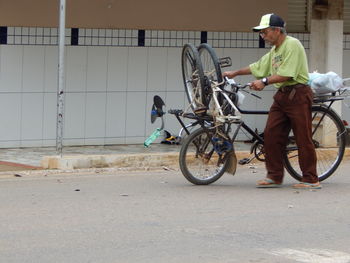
(304, 185)
(267, 183)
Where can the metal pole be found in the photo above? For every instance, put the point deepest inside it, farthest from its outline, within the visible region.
(61, 78)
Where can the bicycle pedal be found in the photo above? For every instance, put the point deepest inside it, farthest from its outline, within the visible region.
(244, 161)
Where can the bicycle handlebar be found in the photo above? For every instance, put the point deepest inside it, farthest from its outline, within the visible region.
(240, 87)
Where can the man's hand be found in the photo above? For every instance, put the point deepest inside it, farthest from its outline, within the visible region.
(229, 74)
(257, 85)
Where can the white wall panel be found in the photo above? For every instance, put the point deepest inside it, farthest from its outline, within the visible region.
(134, 140)
(95, 123)
(135, 114)
(262, 52)
(346, 74)
(51, 71)
(74, 141)
(32, 116)
(33, 68)
(74, 115)
(137, 69)
(174, 73)
(76, 69)
(346, 64)
(97, 69)
(116, 115)
(11, 68)
(10, 116)
(114, 140)
(157, 69)
(219, 52)
(49, 116)
(117, 79)
(235, 55)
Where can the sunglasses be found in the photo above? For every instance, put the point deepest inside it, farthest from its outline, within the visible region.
(264, 32)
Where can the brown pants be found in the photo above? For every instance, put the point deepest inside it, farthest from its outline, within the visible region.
(286, 114)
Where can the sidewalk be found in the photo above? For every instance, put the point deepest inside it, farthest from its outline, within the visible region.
(77, 157)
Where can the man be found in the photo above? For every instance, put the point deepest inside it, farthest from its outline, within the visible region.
(285, 66)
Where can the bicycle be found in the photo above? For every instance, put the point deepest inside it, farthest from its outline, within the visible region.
(207, 153)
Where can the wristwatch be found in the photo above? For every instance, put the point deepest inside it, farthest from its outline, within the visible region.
(265, 81)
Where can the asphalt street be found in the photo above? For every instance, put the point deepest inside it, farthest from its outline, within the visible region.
(157, 216)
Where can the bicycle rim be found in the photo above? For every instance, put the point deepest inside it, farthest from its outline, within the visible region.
(329, 140)
(193, 76)
(199, 162)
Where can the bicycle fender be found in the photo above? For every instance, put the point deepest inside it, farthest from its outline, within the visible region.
(233, 163)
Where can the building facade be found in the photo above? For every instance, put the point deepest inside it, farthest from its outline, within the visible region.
(118, 56)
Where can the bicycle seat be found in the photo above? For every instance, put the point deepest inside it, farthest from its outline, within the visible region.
(175, 111)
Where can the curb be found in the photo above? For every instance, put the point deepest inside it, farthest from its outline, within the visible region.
(145, 161)
(136, 161)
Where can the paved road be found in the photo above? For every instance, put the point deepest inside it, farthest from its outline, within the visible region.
(159, 217)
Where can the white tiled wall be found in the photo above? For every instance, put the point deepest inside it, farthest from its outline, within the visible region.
(346, 74)
(11, 116)
(11, 68)
(109, 92)
(108, 98)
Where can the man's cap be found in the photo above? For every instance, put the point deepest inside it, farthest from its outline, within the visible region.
(269, 20)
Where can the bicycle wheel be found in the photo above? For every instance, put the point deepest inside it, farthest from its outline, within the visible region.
(193, 76)
(212, 70)
(200, 162)
(329, 139)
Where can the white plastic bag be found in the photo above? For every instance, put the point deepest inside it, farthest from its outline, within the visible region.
(241, 97)
(325, 83)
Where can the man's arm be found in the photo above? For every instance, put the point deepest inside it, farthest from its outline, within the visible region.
(234, 73)
(259, 85)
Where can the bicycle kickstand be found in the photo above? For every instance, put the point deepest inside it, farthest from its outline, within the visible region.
(246, 160)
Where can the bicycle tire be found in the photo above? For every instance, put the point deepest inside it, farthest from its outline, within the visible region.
(199, 162)
(329, 146)
(211, 68)
(193, 76)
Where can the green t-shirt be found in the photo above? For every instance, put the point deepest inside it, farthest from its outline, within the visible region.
(288, 60)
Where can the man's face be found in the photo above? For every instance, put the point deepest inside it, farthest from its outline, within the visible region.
(270, 35)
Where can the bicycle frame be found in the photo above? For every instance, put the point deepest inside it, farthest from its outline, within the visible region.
(201, 120)
(235, 119)
(222, 136)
